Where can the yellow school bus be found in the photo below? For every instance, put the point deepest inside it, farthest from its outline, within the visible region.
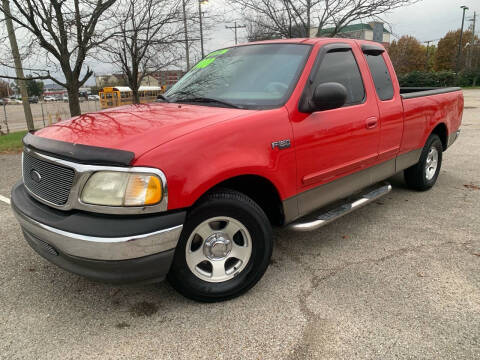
(123, 95)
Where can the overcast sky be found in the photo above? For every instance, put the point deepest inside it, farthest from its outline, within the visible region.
(426, 20)
(431, 19)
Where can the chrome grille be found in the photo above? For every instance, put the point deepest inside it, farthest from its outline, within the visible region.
(50, 182)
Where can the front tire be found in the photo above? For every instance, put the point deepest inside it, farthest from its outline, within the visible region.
(423, 175)
(224, 249)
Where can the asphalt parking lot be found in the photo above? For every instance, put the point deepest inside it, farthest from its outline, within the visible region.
(397, 279)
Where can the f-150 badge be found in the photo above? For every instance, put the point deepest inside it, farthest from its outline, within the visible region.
(281, 144)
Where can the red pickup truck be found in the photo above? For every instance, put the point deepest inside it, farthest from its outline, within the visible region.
(289, 132)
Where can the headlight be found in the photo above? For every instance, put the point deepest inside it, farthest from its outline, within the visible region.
(112, 188)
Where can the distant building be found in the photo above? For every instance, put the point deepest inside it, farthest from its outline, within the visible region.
(87, 90)
(374, 31)
(57, 90)
(159, 78)
(168, 77)
(110, 80)
(100, 80)
(149, 80)
(53, 89)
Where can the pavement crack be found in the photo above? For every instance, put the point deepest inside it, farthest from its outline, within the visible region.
(314, 321)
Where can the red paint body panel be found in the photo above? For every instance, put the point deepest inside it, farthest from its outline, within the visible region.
(198, 147)
(334, 143)
(390, 118)
(200, 160)
(137, 128)
(424, 113)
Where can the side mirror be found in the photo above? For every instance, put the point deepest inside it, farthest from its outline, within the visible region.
(327, 96)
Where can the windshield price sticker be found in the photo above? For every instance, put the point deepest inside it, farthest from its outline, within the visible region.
(210, 59)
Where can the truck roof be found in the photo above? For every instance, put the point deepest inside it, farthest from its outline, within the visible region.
(313, 41)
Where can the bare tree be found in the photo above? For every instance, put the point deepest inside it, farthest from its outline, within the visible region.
(145, 40)
(67, 31)
(18, 65)
(259, 30)
(297, 18)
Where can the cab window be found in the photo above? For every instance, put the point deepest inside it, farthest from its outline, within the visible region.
(341, 67)
(381, 76)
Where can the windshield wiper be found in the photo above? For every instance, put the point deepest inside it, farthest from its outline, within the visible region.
(164, 98)
(209, 100)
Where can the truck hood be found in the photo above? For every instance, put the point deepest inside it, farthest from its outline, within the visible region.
(137, 128)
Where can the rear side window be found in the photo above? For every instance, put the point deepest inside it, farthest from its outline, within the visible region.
(342, 68)
(381, 76)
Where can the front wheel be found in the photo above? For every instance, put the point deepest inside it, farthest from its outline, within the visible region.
(423, 175)
(224, 249)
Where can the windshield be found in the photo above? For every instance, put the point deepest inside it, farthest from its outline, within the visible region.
(252, 76)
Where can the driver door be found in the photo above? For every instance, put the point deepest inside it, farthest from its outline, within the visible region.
(332, 144)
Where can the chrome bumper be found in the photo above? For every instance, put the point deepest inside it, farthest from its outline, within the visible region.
(101, 248)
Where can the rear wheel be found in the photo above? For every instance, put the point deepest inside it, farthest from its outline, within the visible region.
(224, 249)
(423, 175)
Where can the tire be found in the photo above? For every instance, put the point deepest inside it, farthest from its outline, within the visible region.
(423, 175)
(213, 260)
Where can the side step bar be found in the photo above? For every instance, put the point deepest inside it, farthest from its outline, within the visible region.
(317, 220)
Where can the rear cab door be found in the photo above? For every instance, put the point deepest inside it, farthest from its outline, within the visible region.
(387, 92)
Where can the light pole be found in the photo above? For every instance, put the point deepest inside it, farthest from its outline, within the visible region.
(460, 41)
(200, 2)
(472, 43)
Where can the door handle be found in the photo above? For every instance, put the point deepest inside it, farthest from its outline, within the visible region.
(371, 123)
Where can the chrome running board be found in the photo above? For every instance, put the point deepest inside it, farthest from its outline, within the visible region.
(318, 219)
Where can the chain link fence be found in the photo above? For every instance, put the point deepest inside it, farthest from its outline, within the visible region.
(12, 117)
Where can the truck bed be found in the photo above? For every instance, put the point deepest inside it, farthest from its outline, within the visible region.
(414, 92)
(425, 106)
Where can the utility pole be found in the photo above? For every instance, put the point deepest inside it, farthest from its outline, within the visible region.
(200, 2)
(473, 26)
(22, 84)
(187, 55)
(428, 44)
(309, 8)
(235, 27)
(457, 68)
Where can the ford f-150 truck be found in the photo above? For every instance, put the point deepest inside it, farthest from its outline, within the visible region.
(291, 133)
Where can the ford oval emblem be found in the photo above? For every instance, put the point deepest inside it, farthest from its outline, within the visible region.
(35, 175)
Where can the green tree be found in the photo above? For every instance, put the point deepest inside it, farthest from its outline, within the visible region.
(34, 87)
(407, 55)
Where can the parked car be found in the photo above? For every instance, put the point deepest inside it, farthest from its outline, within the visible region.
(49, 98)
(65, 98)
(14, 102)
(4, 101)
(272, 133)
(93, 97)
(33, 99)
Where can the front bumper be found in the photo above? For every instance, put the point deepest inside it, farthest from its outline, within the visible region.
(116, 249)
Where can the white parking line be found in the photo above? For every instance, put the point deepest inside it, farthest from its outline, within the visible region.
(5, 199)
